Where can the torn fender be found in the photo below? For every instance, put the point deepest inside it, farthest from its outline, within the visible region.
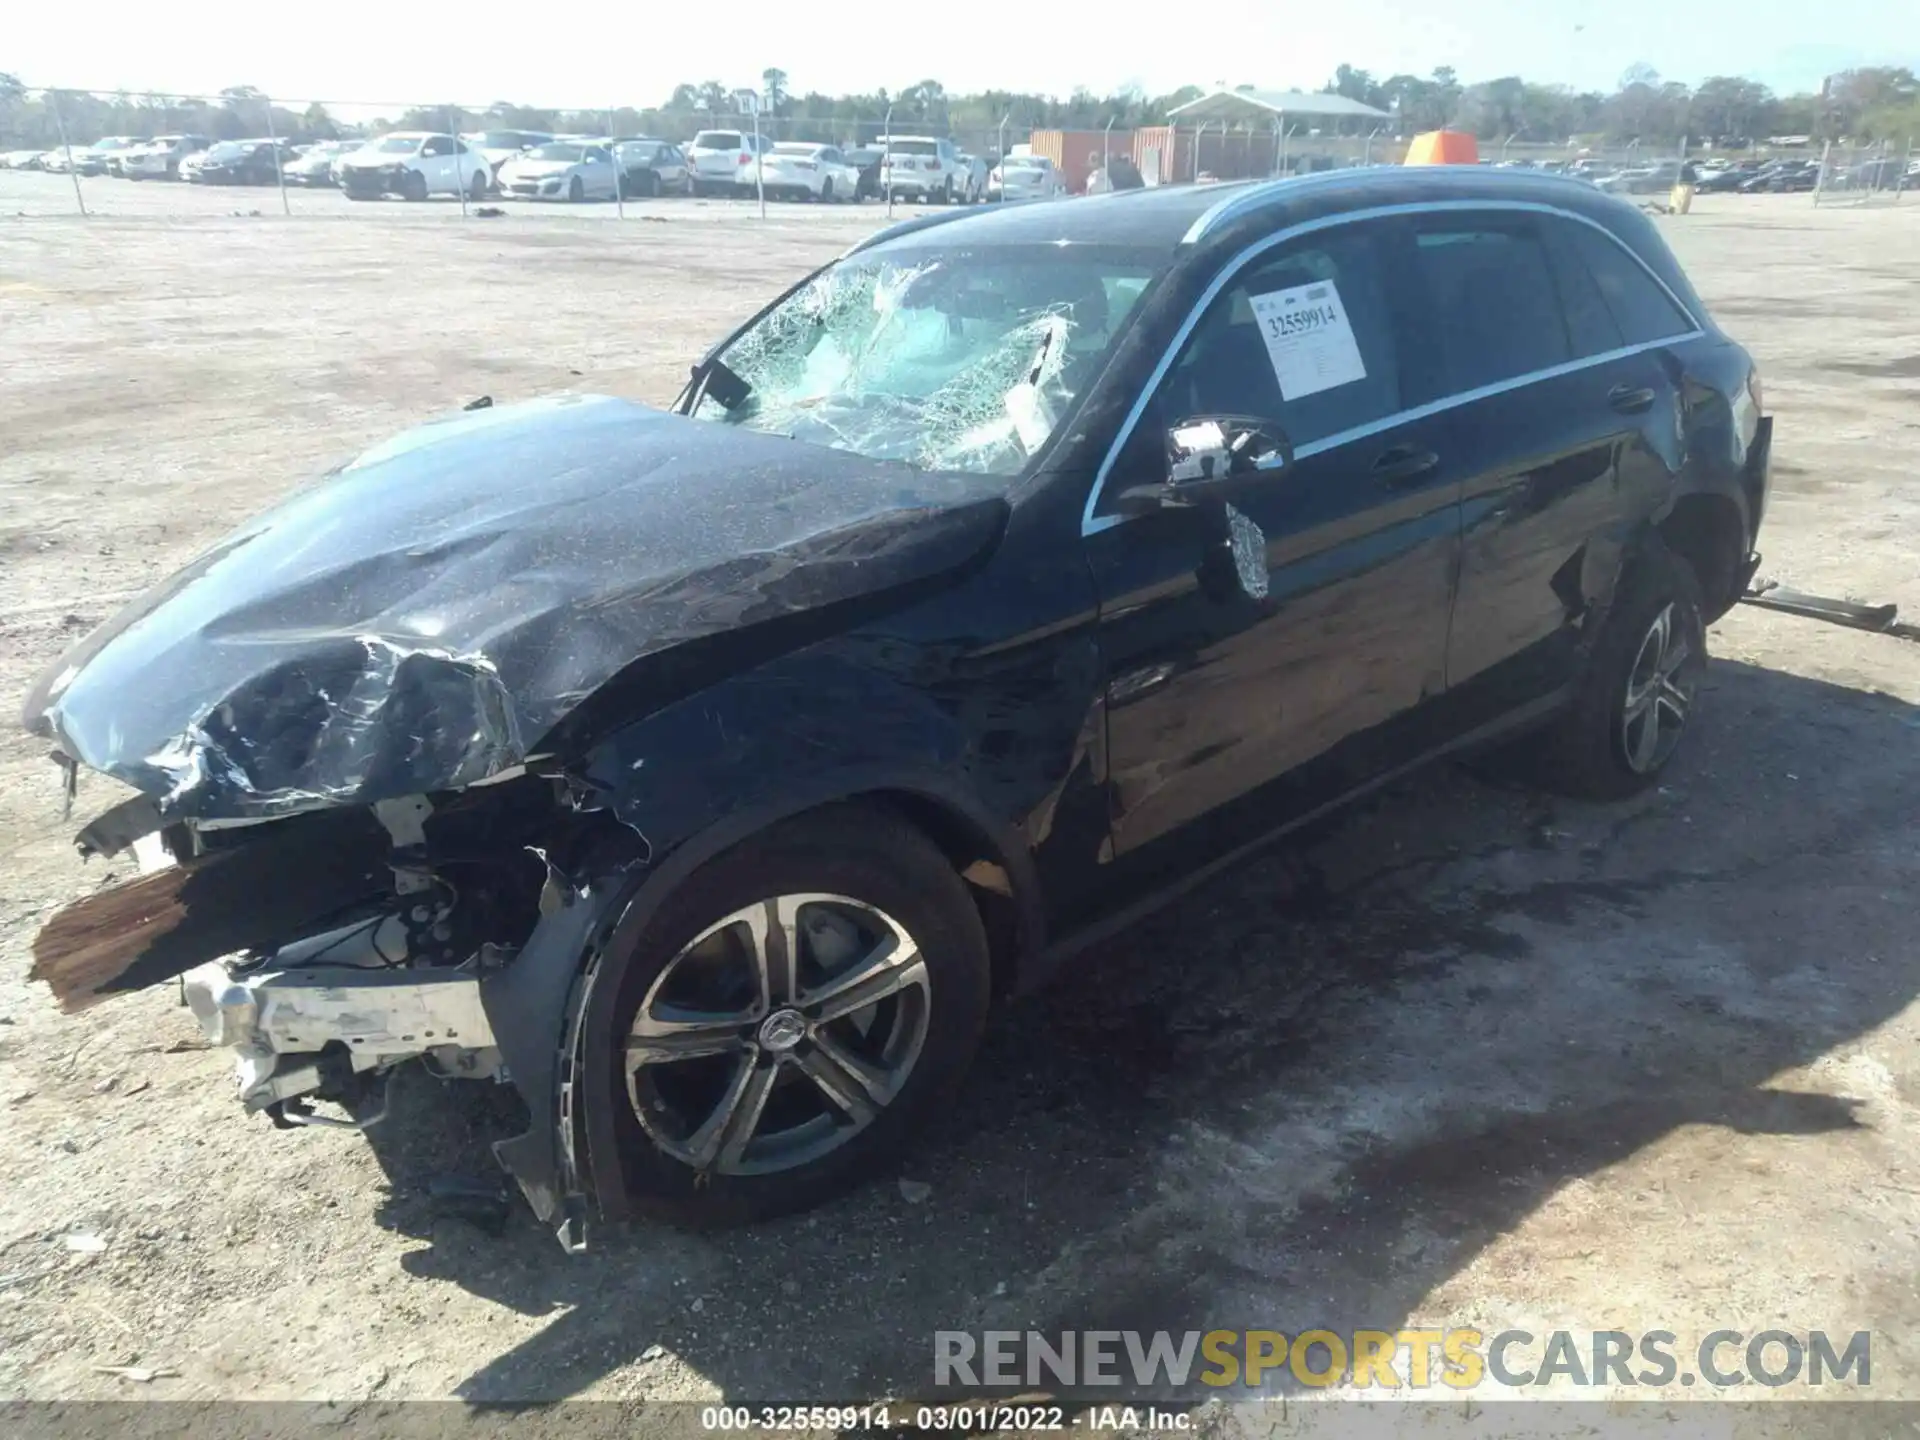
(420, 619)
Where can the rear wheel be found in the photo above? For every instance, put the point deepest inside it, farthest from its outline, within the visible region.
(826, 191)
(1637, 696)
(791, 1014)
(477, 186)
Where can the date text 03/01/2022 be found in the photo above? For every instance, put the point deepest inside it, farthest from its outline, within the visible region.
(963, 1419)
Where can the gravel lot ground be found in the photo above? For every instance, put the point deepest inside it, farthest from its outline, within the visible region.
(1469, 1056)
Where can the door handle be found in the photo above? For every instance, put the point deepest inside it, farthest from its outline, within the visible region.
(1630, 399)
(1403, 464)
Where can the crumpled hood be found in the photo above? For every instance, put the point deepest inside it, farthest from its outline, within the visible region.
(423, 616)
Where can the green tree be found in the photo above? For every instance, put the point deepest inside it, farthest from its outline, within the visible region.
(775, 81)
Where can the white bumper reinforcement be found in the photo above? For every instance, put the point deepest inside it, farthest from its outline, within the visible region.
(280, 1022)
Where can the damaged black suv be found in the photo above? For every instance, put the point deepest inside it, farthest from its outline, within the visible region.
(707, 774)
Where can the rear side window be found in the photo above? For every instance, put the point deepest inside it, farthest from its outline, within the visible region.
(1640, 307)
(1492, 298)
(1305, 339)
(1590, 321)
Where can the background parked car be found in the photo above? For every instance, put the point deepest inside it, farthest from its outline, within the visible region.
(1729, 178)
(973, 177)
(1025, 177)
(414, 164)
(923, 167)
(1778, 177)
(651, 167)
(723, 161)
(497, 147)
(1654, 179)
(802, 170)
(160, 159)
(560, 170)
(93, 159)
(1884, 174)
(23, 160)
(312, 165)
(236, 162)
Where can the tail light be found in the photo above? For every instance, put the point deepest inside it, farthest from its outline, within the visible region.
(746, 160)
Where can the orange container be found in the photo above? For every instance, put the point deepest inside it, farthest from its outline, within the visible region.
(1443, 147)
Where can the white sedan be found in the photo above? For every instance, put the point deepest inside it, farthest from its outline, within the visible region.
(561, 170)
(805, 171)
(1024, 177)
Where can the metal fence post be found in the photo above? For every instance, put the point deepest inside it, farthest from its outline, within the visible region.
(60, 122)
(279, 174)
(759, 170)
(459, 170)
(1820, 176)
(886, 160)
(619, 170)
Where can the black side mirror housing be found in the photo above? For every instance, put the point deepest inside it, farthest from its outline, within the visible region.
(1210, 459)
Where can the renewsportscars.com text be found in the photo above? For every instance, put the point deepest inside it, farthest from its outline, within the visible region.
(1457, 1359)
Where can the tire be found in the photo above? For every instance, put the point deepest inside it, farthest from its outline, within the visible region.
(826, 191)
(477, 187)
(413, 186)
(576, 190)
(1597, 750)
(919, 1040)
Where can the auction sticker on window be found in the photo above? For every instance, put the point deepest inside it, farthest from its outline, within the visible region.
(1309, 341)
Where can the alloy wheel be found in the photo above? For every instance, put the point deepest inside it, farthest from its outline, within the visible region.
(778, 1034)
(1659, 695)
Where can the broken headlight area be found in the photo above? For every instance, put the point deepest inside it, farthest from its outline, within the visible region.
(328, 948)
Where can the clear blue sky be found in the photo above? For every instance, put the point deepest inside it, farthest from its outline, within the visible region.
(597, 53)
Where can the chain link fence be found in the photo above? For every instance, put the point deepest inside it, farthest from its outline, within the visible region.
(1877, 174)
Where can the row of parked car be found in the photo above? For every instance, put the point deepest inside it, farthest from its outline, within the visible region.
(1782, 175)
(532, 165)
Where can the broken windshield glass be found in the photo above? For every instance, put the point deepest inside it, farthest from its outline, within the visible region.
(947, 360)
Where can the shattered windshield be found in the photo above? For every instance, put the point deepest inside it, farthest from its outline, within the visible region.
(947, 360)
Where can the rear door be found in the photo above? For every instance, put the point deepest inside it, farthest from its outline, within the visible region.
(1557, 419)
(1246, 702)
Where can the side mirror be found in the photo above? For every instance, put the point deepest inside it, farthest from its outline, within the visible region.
(1210, 459)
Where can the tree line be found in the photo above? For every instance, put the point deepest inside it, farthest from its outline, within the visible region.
(1865, 104)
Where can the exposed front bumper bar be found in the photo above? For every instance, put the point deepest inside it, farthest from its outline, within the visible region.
(297, 1031)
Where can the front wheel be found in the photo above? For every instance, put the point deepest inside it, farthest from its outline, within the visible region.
(826, 191)
(790, 1016)
(413, 186)
(576, 191)
(1637, 697)
(477, 186)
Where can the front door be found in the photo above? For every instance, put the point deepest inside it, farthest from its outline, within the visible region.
(1247, 704)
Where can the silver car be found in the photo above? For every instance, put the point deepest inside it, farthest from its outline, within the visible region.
(562, 170)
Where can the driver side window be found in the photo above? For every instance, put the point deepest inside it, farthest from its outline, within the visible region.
(1303, 337)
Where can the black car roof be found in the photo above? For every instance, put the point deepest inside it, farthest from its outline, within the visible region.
(1171, 215)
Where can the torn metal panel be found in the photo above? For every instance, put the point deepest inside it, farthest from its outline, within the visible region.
(418, 620)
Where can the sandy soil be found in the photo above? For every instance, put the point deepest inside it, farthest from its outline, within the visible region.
(1469, 1056)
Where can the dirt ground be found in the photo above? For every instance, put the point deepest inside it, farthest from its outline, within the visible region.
(1470, 1056)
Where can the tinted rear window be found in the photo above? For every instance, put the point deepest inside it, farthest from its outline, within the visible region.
(718, 140)
(915, 147)
(1640, 307)
(1493, 301)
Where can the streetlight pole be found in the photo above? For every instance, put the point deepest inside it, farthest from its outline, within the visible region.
(886, 159)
